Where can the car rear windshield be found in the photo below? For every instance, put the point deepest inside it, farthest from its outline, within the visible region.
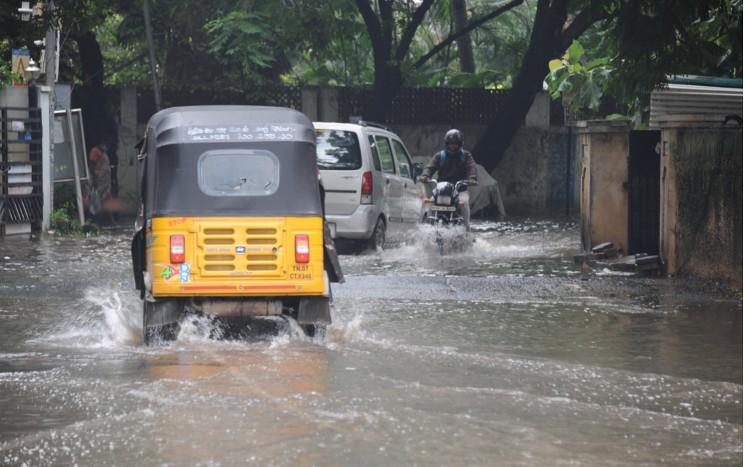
(338, 150)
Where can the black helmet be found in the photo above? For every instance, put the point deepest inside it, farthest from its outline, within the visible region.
(454, 136)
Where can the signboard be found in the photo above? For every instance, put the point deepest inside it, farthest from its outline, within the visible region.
(64, 170)
(19, 63)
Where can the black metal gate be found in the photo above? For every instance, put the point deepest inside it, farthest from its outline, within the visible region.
(20, 167)
(644, 192)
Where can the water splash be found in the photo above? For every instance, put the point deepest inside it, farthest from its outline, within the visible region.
(199, 329)
(493, 247)
(102, 319)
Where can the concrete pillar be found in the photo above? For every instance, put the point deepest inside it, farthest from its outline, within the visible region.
(604, 200)
(309, 103)
(701, 200)
(329, 105)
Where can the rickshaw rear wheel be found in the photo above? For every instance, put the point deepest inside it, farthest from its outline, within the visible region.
(154, 328)
(314, 330)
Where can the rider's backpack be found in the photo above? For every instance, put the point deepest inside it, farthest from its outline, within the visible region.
(444, 155)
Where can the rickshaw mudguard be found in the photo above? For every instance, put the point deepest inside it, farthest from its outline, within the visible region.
(138, 260)
(314, 310)
(330, 256)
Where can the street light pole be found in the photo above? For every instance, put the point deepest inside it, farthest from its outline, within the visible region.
(153, 68)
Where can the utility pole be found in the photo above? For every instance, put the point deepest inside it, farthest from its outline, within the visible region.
(153, 68)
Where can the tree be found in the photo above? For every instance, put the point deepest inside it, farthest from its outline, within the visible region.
(656, 39)
(399, 20)
(81, 18)
(553, 30)
(465, 49)
(647, 40)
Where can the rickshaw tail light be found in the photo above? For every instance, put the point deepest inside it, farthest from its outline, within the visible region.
(177, 249)
(366, 193)
(302, 249)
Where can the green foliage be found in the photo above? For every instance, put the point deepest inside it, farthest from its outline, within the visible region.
(6, 73)
(339, 53)
(578, 82)
(645, 41)
(498, 47)
(63, 221)
(241, 38)
(125, 63)
(487, 79)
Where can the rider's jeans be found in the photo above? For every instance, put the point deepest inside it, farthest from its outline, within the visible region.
(466, 209)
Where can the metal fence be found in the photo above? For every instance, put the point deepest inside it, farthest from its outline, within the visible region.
(20, 166)
(426, 105)
(281, 96)
(411, 105)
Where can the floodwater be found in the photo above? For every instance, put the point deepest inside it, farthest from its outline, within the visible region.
(506, 354)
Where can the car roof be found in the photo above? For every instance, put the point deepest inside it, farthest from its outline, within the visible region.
(351, 127)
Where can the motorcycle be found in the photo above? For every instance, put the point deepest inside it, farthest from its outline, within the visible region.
(444, 214)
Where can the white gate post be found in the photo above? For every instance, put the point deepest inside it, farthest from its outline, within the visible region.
(47, 187)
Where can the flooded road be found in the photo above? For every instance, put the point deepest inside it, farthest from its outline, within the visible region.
(504, 355)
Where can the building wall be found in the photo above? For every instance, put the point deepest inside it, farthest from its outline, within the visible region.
(701, 202)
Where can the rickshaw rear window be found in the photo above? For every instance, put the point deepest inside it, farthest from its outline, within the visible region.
(338, 150)
(238, 173)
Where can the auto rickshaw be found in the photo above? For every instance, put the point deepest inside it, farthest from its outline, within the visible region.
(231, 223)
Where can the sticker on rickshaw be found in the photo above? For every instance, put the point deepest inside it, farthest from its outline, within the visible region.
(177, 221)
(168, 272)
(183, 273)
(241, 133)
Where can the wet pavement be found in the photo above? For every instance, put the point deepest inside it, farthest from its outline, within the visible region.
(506, 354)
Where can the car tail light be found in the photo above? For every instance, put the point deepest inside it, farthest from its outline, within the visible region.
(177, 249)
(366, 193)
(302, 249)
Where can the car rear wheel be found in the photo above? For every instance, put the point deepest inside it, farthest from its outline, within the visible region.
(377, 240)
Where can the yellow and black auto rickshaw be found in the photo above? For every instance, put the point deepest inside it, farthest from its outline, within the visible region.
(231, 223)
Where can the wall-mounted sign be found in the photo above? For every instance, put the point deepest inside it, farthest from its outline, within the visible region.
(19, 63)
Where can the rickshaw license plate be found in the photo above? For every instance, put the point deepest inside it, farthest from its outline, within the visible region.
(443, 208)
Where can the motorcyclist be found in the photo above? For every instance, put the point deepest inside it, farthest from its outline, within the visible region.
(454, 164)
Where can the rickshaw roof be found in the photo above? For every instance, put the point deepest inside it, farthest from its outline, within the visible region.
(229, 123)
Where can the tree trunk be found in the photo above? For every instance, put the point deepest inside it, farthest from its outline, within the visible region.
(91, 93)
(465, 50)
(545, 41)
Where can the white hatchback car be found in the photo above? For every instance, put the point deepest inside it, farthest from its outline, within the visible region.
(369, 181)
